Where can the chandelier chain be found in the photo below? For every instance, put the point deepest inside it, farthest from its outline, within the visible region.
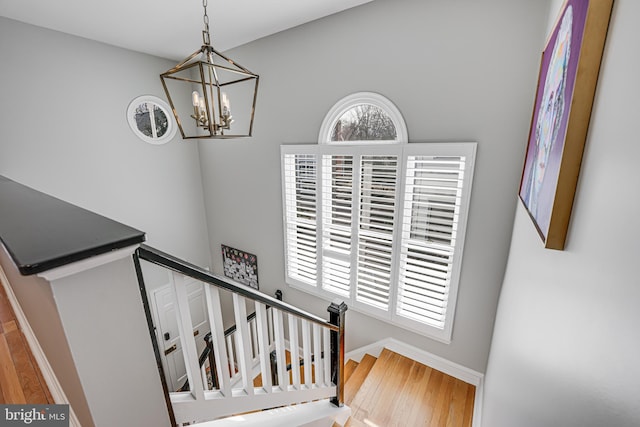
(205, 18)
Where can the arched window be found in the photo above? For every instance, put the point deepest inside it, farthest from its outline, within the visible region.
(363, 117)
(375, 220)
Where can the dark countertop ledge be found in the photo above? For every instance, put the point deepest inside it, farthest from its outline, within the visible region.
(41, 232)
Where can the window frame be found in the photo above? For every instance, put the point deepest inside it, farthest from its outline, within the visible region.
(468, 149)
(350, 101)
(151, 101)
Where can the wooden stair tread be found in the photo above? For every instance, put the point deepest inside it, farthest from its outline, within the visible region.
(353, 422)
(349, 367)
(401, 391)
(358, 377)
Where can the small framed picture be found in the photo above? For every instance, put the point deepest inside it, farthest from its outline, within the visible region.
(240, 266)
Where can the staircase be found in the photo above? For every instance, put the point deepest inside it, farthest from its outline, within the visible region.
(293, 362)
(275, 357)
(392, 390)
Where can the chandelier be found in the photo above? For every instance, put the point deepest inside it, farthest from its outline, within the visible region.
(200, 90)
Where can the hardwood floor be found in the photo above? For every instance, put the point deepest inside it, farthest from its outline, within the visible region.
(21, 381)
(396, 391)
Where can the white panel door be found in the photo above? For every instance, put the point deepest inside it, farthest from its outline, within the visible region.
(167, 329)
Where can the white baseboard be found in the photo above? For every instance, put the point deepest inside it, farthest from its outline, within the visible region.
(57, 393)
(429, 359)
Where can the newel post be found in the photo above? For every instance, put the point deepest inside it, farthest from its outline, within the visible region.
(336, 318)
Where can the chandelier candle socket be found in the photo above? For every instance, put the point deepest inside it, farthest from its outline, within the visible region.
(195, 93)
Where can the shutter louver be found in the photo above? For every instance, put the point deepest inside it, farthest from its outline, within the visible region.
(300, 174)
(382, 227)
(337, 212)
(433, 196)
(378, 180)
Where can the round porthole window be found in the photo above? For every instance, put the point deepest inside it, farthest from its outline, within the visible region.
(151, 120)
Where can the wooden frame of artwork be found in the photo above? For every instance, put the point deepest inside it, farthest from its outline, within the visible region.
(566, 88)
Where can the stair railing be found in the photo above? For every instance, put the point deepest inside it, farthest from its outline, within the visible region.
(286, 330)
(206, 356)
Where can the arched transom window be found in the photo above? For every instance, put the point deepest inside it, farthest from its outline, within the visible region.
(363, 117)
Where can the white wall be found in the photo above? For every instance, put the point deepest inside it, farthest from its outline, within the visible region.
(565, 346)
(458, 70)
(63, 131)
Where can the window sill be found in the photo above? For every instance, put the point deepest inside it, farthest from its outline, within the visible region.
(402, 323)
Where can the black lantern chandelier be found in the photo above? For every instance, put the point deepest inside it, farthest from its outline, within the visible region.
(200, 90)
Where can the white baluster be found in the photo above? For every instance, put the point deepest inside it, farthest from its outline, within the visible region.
(317, 355)
(294, 350)
(203, 374)
(243, 343)
(270, 326)
(263, 346)
(306, 352)
(217, 339)
(326, 335)
(231, 353)
(185, 328)
(278, 331)
(254, 338)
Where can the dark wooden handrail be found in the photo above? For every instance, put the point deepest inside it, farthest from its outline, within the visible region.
(158, 257)
(336, 323)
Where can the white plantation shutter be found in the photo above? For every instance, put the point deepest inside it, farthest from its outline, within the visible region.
(337, 217)
(378, 182)
(301, 230)
(430, 217)
(380, 227)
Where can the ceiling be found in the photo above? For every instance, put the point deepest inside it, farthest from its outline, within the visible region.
(171, 28)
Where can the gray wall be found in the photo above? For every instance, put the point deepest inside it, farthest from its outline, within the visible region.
(63, 131)
(565, 347)
(113, 354)
(458, 70)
